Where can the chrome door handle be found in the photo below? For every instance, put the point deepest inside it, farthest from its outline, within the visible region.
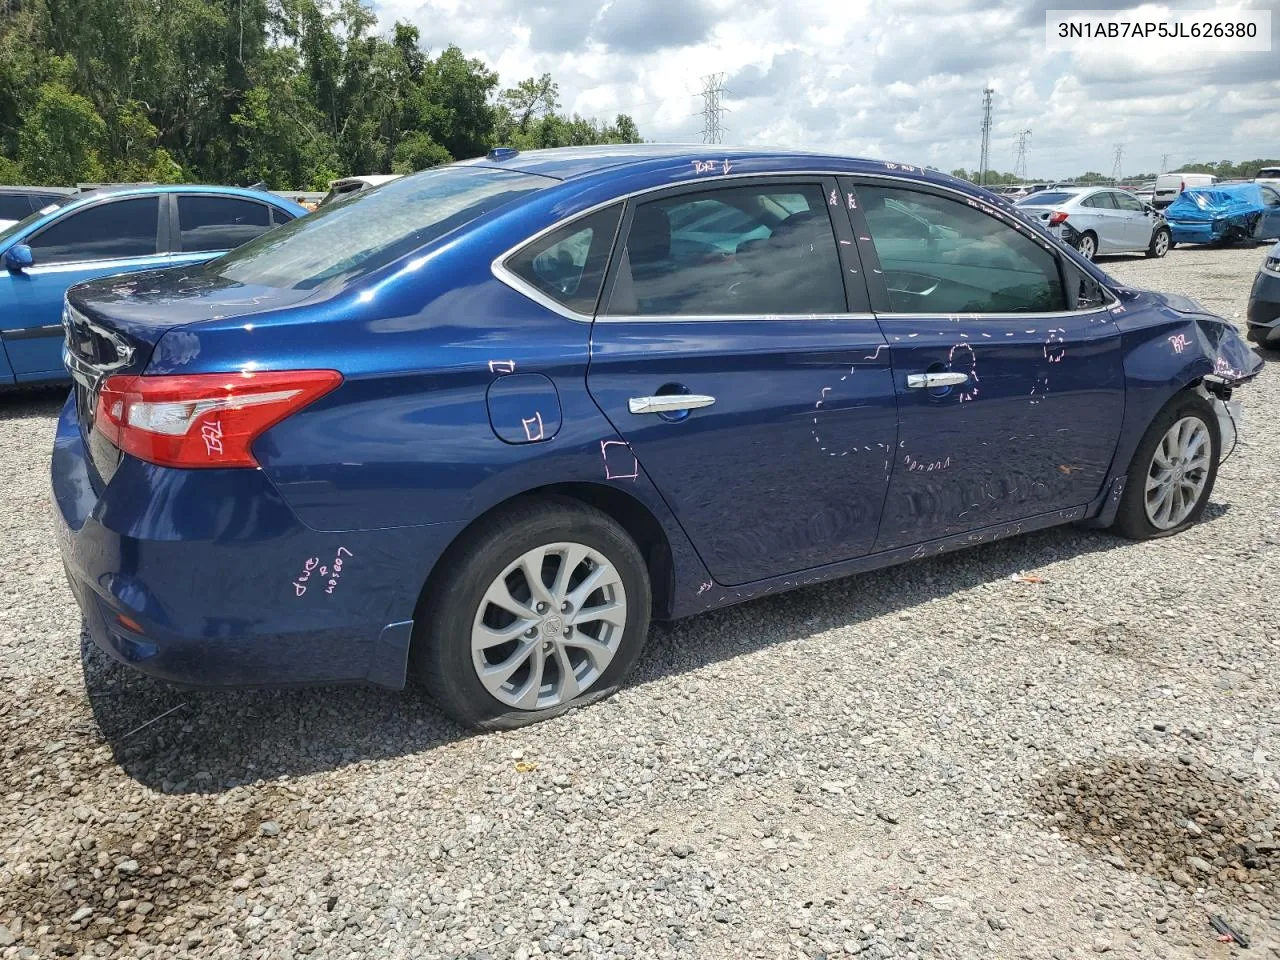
(929, 380)
(669, 402)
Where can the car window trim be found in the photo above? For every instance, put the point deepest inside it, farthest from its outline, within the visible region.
(160, 233)
(500, 273)
(879, 292)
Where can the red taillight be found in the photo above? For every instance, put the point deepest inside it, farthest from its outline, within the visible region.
(1182, 186)
(203, 419)
(1057, 217)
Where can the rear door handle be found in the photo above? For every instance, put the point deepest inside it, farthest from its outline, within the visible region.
(921, 381)
(669, 402)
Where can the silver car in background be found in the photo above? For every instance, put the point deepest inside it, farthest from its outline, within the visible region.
(1100, 220)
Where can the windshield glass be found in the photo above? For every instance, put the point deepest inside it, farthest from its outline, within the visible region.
(352, 236)
(1042, 198)
(16, 228)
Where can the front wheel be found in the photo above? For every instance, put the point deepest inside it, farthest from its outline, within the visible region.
(1088, 246)
(542, 607)
(1172, 472)
(1161, 242)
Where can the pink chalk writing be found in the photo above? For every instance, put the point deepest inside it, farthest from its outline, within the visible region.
(502, 366)
(704, 588)
(625, 466)
(970, 389)
(853, 202)
(1180, 342)
(211, 434)
(533, 429)
(925, 466)
(834, 200)
(876, 355)
(711, 166)
(332, 571)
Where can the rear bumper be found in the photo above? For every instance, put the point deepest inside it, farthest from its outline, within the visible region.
(1193, 232)
(206, 577)
(1263, 316)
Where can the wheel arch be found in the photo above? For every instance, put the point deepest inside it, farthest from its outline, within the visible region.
(627, 510)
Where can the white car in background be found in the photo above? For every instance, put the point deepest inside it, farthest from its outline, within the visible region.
(1102, 220)
(1269, 176)
(346, 185)
(1169, 185)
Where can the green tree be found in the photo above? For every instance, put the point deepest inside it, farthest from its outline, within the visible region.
(60, 138)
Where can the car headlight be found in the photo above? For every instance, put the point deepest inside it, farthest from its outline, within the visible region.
(1272, 265)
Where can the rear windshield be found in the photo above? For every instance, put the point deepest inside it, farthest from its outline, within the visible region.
(1045, 197)
(1269, 173)
(16, 228)
(350, 237)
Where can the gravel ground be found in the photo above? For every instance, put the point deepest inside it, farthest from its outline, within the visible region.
(931, 761)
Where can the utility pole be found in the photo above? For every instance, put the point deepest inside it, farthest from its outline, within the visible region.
(987, 93)
(1020, 163)
(1164, 162)
(712, 112)
(1115, 167)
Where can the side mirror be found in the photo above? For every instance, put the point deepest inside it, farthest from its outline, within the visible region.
(1148, 208)
(18, 257)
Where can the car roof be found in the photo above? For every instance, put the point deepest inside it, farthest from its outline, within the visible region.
(148, 189)
(59, 191)
(566, 163)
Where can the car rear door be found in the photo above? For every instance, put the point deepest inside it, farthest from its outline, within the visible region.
(1006, 364)
(206, 225)
(748, 383)
(106, 237)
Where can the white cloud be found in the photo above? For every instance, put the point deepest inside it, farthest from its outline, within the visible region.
(898, 79)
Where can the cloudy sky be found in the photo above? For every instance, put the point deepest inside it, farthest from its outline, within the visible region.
(893, 79)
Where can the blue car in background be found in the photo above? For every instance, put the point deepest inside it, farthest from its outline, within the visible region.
(110, 231)
(1225, 213)
(482, 423)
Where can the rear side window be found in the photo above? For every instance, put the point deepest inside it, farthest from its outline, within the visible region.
(940, 256)
(568, 264)
(739, 251)
(14, 206)
(1044, 198)
(1099, 201)
(219, 223)
(115, 230)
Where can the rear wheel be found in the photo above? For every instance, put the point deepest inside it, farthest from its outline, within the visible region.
(1172, 472)
(1087, 245)
(1161, 243)
(542, 608)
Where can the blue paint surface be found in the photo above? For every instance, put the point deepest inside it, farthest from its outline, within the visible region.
(815, 461)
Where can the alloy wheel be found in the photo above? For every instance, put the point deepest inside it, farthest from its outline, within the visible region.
(1178, 472)
(548, 626)
(1162, 243)
(1087, 247)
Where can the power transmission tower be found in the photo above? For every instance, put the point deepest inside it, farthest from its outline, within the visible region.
(1115, 167)
(987, 93)
(1164, 162)
(1020, 163)
(712, 112)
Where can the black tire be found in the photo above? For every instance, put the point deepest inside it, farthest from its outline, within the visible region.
(441, 655)
(1155, 249)
(1093, 241)
(1131, 519)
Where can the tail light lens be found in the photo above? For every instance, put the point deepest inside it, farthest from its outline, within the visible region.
(1057, 217)
(1182, 186)
(203, 420)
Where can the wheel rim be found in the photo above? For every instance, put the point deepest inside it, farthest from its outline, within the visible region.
(548, 626)
(1162, 243)
(1086, 247)
(1178, 473)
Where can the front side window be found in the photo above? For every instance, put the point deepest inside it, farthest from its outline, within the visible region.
(341, 242)
(1127, 201)
(735, 251)
(116, 230)
(1270, 197)
(568, 264)
(941, 256)
(209, 222)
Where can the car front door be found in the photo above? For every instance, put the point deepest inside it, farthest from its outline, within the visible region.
(747, 382)
(108, 237)
(1007, 366)
(206, 225)
(1137, 224)
(1106, 221)
(1269, 229)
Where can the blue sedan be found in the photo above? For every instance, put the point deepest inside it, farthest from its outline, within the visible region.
(110, 231)
(479, 425)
